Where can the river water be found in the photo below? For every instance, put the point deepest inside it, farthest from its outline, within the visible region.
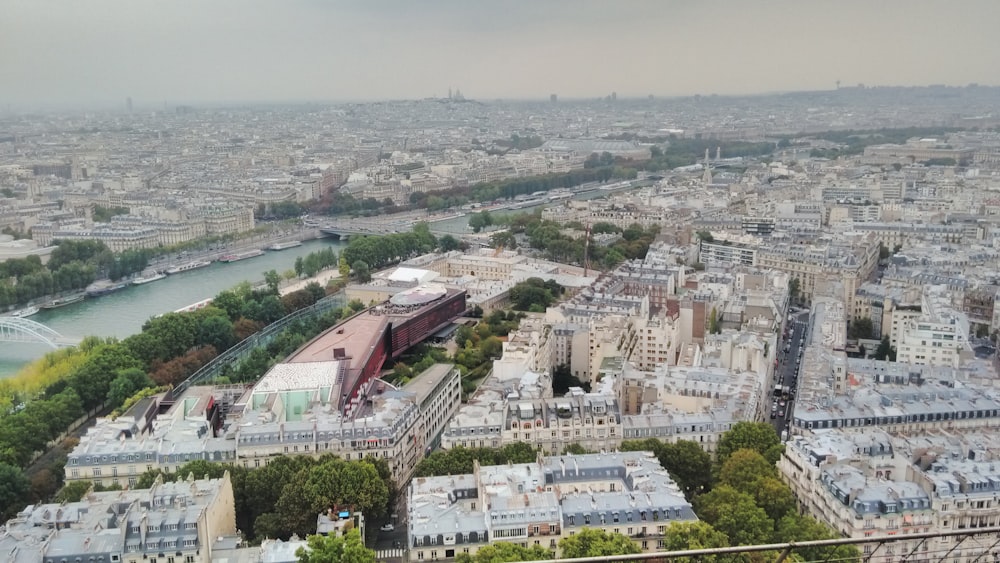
(124, 312)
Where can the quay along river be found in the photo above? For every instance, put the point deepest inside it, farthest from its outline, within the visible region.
(123, 313)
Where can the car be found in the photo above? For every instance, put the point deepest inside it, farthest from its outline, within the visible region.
(781, 413)
(774, 414)
(387, 527)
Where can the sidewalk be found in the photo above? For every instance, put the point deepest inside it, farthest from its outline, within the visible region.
(321, 278)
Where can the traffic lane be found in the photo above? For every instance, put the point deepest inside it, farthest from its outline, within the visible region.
(394, 539)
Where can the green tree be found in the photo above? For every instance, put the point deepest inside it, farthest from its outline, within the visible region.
(448, 243)
(774, 497)
(127, 383)
(794, 288)
(744, 468)
(591, 542)
(757, 436)
(503, 552)
(861, 328)
(575, 449)
(273, 280)
(682, 536)
(73, 491)
(885, 350)
(336, 549)
(713, 322)
(734, 514)
(14, 491)
(361, 271)
(796, 528)
(689, 465)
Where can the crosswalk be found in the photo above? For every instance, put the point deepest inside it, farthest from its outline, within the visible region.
(384, 554)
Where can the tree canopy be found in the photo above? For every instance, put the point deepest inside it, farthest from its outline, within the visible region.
(757, 436)
(336, 549)
(592, 542)
(503, 552)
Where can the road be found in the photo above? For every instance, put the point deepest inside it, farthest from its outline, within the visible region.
(788, 368)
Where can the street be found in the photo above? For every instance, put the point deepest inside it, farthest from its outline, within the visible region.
(788, 369)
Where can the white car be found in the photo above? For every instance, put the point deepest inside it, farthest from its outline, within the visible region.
(387, 528)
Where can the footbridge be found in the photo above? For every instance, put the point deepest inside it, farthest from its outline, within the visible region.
(16, 329)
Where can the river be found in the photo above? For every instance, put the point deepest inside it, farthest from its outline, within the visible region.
(123, 313)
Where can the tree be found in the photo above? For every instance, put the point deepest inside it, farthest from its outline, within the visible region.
(682, 536)
(774, 497)
(14, 491)
(448, 243)
(126, 383)
(362, 272)
(861, 328)
(796, 528)
(794, 288)
(502, 552)
(336, 549)
(73, 491)
(575, 449)
(689, 465)
(273, 279)
(743, 469)
(713, 322)
(757, 436)
(734, 514)
(885, 350)
(591, 542)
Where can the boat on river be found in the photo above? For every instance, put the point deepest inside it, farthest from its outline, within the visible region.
(63, 301)
(156, 276)
(26, 312)
(285, 245)
(242, 255)
(104, 287)
(188, 267)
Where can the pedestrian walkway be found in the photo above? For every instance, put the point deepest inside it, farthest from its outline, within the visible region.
(384, 554)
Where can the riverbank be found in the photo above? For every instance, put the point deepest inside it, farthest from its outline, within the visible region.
(123, 313)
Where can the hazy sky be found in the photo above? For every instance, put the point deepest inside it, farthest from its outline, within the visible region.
(102, 51)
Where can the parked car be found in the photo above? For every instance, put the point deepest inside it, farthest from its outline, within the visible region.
(387, 528)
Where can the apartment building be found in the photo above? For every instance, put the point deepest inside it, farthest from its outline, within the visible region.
(543, 502)
(939, 336)
(167, 523)
(877, 484)
(523, 410)
(848, 262)
(723, 252)
(290, 411)
(697, 403)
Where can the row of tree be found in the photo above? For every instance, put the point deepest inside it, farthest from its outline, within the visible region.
(73, 265)
(378, 251)
(535, 294)
(568, 243)
(337, 203)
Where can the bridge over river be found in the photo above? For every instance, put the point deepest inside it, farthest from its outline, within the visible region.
(17, 329)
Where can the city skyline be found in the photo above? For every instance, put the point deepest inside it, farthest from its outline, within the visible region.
(103, 52)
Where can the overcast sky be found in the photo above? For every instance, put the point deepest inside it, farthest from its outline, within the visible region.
(155, 51)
